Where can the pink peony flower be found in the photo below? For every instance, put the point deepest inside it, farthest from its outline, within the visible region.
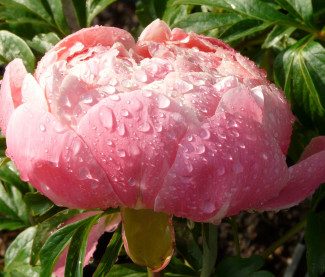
(177, 122)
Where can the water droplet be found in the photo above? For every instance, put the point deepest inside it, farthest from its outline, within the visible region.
(205, 134)
(251, 137)
(106, 117)
(144, 127)
(109, 142)
(121, 129)
(124, 112)
(208, 206)
(42, 127)
(121, 153)
(221, 170)
(94, 185)
(132, 182)
(141, 76)
(83, 173)
(189, 167)
(115, 97)
(86, 98)
(45, 188)
(241, 145)
(135, 150)
(200, 149)
(238, 168)
(163, 101)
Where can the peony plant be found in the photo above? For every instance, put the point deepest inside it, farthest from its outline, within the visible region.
(175, 124)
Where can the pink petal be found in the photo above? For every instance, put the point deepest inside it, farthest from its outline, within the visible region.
(304, 177)
(225, 165)
(10, 94)
(131, 135)
(56, 161)
(102, 226)
(157, 31)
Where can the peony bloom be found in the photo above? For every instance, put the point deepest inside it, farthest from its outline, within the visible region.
(177, 122)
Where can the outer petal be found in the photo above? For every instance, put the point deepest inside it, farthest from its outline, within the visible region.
(56, 161)
(135, 138)
(305, 177)
(94, 235)
(226, 165)
(10, 94)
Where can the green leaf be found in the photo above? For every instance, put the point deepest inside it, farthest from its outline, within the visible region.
(95, 7)
(34, 6)
(12, 46)
(318, 197)
(149, 10)
(3, 147)
(58, 16)
(177, 268)
(45, 229)
(12, 204)
(43, 42)
(210, 247)
(127, 270)
(18, 255)
(187, 246)
(10, 224)
(201, 22)
(10, 175)
(81, 12)
(277, 35)
(38, 203)
(243, 29)
(56, 244)
(239, 267)
(300, 70)
(77, 248)
(110, 255)
(315, 242)
(171, 15)
(302, 9)
(255, 9)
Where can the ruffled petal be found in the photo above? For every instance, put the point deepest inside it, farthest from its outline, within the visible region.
(10, 94)
(56, 161)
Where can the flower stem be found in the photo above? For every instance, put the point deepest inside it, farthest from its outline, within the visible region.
(283, 239)
(153, 274)
(234, 227)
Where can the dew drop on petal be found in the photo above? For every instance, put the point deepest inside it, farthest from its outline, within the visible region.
(163, 101)
(106, 117)
(121, 153)
(42, 127)
(200, 149)
(144, 127)
(124, 112)
(208, 206)
(221, 171)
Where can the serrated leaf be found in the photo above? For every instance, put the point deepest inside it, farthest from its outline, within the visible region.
(77, 248)
(38, 203)
(300, 70)
(95, 7)
(19, 250)
(201, 22)
(302, 9)
(255, 9)
(110, 255)
(45, 229)
(56, 244)
(43, 42)
(243, 29)
(12, 46)
(127, 270)
(278, 34)
(239, 267)
(315, 242)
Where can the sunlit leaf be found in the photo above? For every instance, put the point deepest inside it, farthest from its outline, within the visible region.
(277, 35)
(58, 16)
(38, 203)
(43, 42)
(127, 270)
(12, 46)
